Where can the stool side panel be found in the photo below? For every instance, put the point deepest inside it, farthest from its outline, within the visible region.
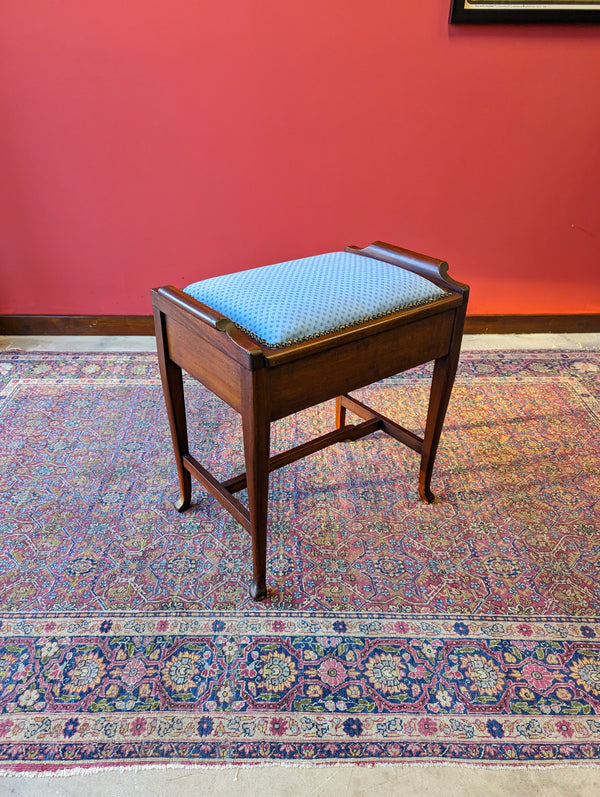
(197, 351)
(355, 364)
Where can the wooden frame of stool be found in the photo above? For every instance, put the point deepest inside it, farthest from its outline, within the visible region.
(264, 384)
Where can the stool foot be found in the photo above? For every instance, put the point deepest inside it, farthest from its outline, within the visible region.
(258, 590)
(182, 504)
(426, 495)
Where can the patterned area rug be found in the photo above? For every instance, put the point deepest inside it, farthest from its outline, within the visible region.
(465, 631)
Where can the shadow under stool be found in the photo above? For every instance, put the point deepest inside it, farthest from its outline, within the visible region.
(274, 340)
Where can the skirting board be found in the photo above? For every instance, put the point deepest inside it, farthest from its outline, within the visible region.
(143, 325)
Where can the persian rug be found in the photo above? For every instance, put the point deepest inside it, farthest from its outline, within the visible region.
(463, 631)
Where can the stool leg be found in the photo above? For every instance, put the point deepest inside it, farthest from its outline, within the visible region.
(340, 413)
(256, 432)
(172, 383)
(442, 382)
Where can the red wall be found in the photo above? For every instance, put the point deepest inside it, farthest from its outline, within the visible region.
(145, 142)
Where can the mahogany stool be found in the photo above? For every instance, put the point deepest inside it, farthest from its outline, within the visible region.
(275, 340)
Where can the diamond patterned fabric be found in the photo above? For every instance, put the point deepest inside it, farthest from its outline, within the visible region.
(297, 300)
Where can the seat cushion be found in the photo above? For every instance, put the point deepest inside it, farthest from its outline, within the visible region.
(302, 299)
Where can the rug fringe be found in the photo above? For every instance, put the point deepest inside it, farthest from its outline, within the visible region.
(66, 772)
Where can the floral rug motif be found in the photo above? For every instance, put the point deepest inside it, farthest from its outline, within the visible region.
(466, 631)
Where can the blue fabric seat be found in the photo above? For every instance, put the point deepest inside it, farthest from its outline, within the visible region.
(291, 302)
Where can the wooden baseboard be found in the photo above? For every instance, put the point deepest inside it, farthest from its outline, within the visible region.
(527, 324)
(76, 325)
(143, 325)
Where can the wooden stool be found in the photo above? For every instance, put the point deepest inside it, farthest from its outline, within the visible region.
(275, 340)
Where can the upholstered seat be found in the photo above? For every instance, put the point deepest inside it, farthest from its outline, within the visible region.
(273, 340)
(302, 299)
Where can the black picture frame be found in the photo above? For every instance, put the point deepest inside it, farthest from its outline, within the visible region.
(523, 11)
